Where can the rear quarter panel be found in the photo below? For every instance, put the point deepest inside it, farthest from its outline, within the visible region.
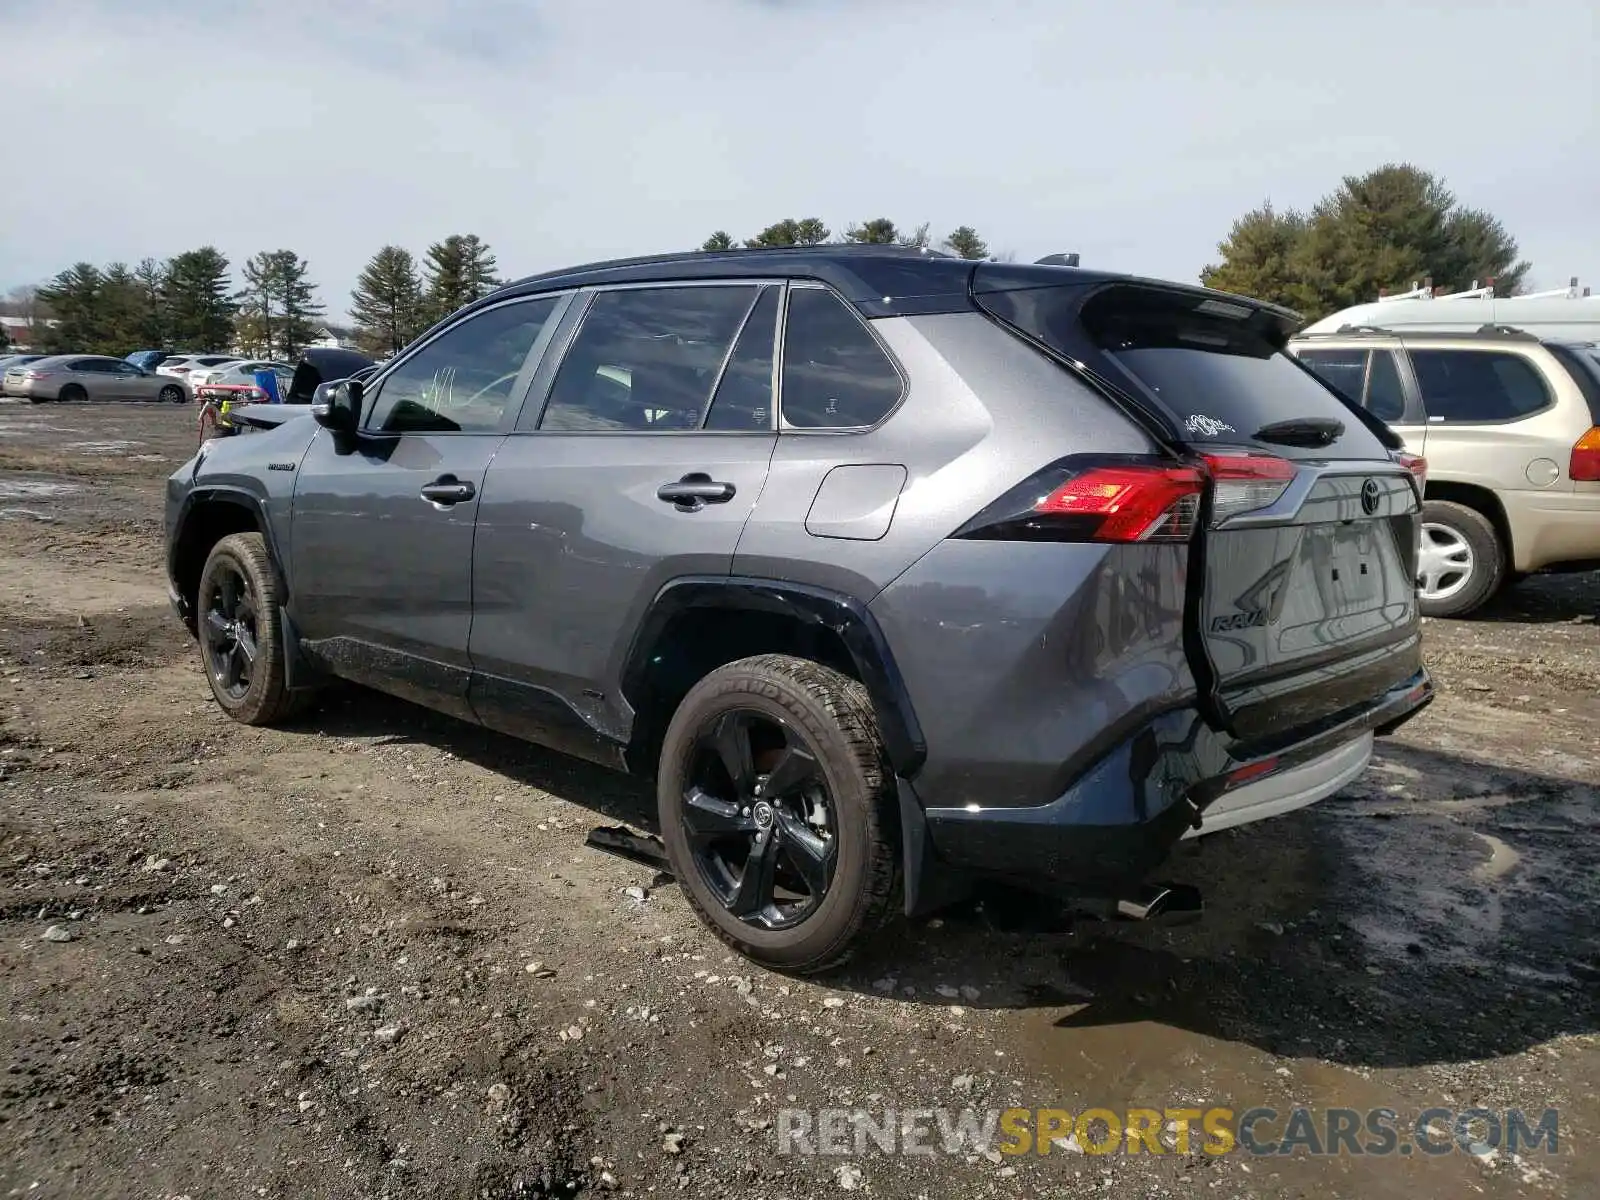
(982, 412)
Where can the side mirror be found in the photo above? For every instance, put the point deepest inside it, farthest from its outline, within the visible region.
(337, 408)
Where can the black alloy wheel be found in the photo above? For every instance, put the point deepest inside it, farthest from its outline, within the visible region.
(228, 626)
(758, 819)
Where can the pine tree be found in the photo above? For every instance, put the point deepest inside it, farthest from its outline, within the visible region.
(457, 271)
(917, 238)
(1380, 230)
(720, 240)
(387, 301)
(199, 307)
(151, 282)
(880, 231)
(807, 231)
(122, 310)
(278, 305)
(964, 242)
(76, 298)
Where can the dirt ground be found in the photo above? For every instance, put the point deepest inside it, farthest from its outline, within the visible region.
(370, 956)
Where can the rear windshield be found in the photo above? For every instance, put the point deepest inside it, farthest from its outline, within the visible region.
(1214, 367)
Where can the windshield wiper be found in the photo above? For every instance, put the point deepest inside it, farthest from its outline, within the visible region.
(1302, 431)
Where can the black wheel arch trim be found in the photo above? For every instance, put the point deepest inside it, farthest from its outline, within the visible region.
(842, 614)
(238, 497)
(298, 671)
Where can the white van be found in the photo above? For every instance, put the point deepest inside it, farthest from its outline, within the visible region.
(1563, 316)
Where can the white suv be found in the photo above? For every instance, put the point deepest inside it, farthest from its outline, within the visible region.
(1510, 427)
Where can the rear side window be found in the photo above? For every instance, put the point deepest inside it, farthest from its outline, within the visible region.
(1477, 386)
(645, 360)
(835, 374)
(1583, 364)
(1345, 370)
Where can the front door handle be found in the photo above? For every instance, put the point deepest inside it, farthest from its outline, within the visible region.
(694, 491)
(447, 490)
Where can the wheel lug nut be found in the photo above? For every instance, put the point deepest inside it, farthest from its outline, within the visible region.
(747, 810)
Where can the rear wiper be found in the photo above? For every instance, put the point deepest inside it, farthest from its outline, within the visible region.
(1302, 431)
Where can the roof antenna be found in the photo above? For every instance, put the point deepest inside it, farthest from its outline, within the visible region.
(1057, 260)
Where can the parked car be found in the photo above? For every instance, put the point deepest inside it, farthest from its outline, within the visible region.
(74, 377)
(1562, 315)
(1510, 426)
(980, 570)
(15, 360)
(180, 366)
(149, 360)
(240, 371)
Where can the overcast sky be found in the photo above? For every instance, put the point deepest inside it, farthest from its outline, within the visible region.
(568, 130)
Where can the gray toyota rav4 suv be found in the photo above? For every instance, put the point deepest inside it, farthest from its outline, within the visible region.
(896, 571)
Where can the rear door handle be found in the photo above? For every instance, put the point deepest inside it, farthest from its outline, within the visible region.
(694, 491)
(447, 490)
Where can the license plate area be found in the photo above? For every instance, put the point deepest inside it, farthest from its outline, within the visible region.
(1349, 563)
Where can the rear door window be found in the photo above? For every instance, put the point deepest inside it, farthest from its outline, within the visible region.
(1478, 386)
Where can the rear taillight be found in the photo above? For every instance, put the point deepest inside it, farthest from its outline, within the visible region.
(1245, 482)
(37, 374)
(1417, 465)
(1585, 465)
(1096, 499)
(1129, 504)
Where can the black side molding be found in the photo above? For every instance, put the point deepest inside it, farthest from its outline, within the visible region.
(840, 614)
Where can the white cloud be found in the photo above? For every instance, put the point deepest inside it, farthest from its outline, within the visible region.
(578, 129)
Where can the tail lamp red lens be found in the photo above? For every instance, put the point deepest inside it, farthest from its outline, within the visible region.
(1130, 500)
(1246, 482)
(1585, 465)
(1416, 464)
(1130, 503)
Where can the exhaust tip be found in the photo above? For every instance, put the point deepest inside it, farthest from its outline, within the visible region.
(1169, 903)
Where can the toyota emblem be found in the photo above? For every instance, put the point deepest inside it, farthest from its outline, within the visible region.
(1371, 496)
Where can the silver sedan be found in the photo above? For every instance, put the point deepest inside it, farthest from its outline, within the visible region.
(73, 377)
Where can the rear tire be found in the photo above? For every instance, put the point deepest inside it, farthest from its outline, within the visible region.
(1461, 563)
(829, 822)
(172, 394)
(239, 617)
(72, 394)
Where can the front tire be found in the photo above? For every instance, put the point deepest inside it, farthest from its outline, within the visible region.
(779, 812)
(239, 617)
(1461, 561)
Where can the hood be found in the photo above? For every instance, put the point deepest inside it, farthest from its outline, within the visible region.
(266, 416)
